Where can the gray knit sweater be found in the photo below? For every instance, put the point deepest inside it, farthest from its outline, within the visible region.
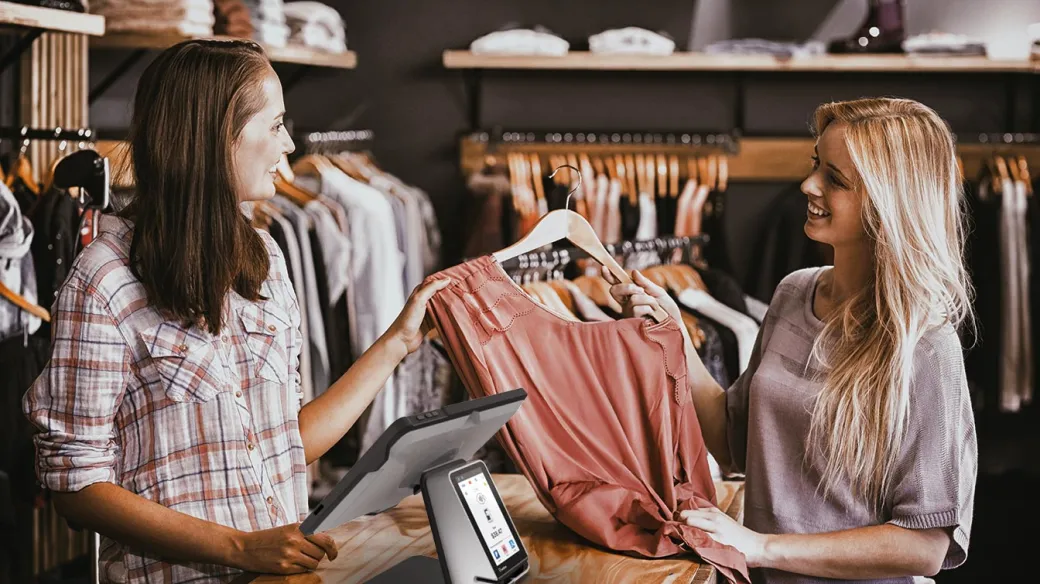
(768, 411)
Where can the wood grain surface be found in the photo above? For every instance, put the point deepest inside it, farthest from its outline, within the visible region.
(370, 545)
(683, 61)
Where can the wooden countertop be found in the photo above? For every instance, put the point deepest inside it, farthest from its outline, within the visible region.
(372, 544)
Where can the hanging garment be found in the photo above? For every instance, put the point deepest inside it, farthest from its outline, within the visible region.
(283, 234)
(300, 224)
(1025, 388)
(613, 218)
(741, 324)
(983, 250)
(608, 436)
(55, 218)
(17, 271)
(376, 278)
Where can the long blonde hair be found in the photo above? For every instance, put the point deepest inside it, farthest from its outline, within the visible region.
(913, 216)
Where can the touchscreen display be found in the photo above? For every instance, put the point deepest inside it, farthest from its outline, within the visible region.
(485, 511)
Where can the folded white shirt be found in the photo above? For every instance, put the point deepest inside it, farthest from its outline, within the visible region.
(631, 40)
(520, 42)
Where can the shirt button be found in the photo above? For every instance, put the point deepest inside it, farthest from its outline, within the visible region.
(250, 446)
(270, 500)
(238, 393)
(224, 338)
(183, 348)
(271, 328)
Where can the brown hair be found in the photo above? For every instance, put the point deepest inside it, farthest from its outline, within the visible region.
(191, 243)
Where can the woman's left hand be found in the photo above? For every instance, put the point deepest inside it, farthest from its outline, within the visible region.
(408, 330)
(725, 530)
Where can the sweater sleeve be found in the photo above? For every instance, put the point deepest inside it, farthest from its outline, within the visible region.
(934, 484)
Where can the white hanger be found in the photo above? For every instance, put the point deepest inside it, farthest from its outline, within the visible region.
(566, 224)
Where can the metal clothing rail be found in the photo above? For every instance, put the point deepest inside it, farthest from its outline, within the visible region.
(27, 133)
(562, 256)
(727, 142)
(336, 141)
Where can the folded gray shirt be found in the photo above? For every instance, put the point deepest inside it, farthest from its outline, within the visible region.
(768, 412)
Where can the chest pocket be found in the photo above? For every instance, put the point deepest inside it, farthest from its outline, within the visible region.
(185, 361)
(265, 325)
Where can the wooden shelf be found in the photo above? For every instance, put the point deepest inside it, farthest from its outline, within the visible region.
(50, 20)
(290, 54)
(578, 60)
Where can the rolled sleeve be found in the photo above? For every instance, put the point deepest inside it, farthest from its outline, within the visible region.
(73, 403)
(935, 477)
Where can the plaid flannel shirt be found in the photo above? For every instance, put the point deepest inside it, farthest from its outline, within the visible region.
(203, 424)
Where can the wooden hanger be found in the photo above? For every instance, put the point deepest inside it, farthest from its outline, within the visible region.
(535, 173)
(723, 174)
(564, 224)
(22, 169)
(21, 302)
(1023, 171)
(351, 169)
(651, 175)
(311, 165)
(673, 175)
(630, 172)
(640, 165)
(598, 290)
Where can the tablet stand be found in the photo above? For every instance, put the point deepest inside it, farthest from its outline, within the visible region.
(461, 559)
(459, 547)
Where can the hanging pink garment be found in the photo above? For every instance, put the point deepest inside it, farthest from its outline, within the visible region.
(608, 436)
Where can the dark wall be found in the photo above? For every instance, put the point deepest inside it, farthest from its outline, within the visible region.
(418, 109)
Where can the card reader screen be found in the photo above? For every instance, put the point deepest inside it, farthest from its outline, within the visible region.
(487, 514)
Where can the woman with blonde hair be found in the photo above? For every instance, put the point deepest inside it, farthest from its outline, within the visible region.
(853, 422)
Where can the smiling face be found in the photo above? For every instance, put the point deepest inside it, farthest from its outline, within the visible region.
(261, 144)
(835, 199)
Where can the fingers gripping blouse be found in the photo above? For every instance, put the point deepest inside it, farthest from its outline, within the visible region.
(608, 436)
(203, 424)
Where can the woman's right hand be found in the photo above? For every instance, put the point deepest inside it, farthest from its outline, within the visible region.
(643, 297)
(282, 550)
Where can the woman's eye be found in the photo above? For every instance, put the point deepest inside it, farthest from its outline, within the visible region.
(834, 181)
(278, 127)
(815, 162)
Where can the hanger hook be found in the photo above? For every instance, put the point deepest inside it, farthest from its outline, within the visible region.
(567, 203)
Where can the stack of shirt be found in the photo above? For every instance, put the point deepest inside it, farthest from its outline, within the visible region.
(631, 40)
(184, 17)
(316, 25)
(268, 18)
(521, 41)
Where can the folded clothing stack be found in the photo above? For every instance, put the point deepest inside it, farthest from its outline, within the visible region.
(316, 25)
(186, 17)
(269, 25)
(521, 41)
(942, 44)
(756, 46)
(233, 19)
(631, 40)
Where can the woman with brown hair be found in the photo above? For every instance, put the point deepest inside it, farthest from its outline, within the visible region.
(170, 412)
